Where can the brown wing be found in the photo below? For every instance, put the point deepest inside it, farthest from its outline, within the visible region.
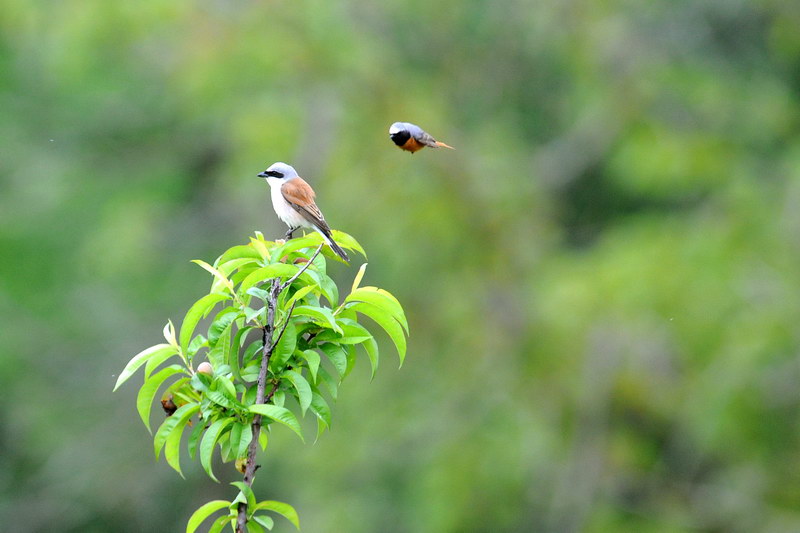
(301, 196)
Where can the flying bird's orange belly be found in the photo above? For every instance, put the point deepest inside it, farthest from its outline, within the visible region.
(412, 145)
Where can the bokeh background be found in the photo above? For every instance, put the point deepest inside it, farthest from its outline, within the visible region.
(602, 280)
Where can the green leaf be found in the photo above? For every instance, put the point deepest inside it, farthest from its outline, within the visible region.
(221, 322)
(331, 336)
(299, 295)
(141, 358)
(229, 267)
(250, 372)
(240, 251)
(254, 527)
(337, 357)
(194, 437)
(266, 521)
(247, 492)
(169, 333)
(347, 241)
(226, 383)
(244, 441)
(225, 448)
(220, 523)
(241, 337)
(235, 436)
(219, 398)
(253, 353)
(259, 293)
(320, 315)
(178, 388)
(280, 415)
(209, 441)
(350, 354)
(281, 508)
(156, 360)
(321, 408)
(260, 245)
(284, 349)
(313, 360)
(223, 392)
(389, 324)
(263, 440)
(354, 331)
(172, 448)
(220, 354)
(278, 398)
(358, 278)
(330, 382)
(250, 313)
(260, 275)
(241, 274)
(179, 417)
(371, 347)
(327, 286)
(198, 310)
(311, 240)
(144, 400)
(217, 274)
(198, 342)
(382, 300)
(204, 512)
(301, 386)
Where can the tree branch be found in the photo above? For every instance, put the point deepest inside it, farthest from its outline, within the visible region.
(285, 323)
(300, 272)
(269, 346)
(261, 396)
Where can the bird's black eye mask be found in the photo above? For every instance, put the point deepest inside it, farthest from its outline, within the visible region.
(401, 137)
(271, 174)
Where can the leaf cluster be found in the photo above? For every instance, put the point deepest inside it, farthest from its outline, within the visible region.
(270, 303)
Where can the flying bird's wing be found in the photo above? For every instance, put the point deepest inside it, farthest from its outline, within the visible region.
(423, 137)
(300, 196)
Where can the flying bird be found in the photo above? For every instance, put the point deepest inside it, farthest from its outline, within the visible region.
(293, 201)
(410, 137)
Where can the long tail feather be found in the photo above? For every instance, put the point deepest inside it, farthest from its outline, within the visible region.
(335, 247)
(443, 145)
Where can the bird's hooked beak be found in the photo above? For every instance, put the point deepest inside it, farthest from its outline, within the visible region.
(263, 174)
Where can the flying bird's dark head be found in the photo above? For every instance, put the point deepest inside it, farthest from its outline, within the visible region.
(399, 134)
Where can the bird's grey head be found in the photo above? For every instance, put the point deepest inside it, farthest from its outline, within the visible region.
(397, 127)
(279, 170)
(401, 132)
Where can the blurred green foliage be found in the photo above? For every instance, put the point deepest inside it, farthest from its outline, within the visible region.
(602, 280)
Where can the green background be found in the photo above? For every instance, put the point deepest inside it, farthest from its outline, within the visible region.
(601, 281)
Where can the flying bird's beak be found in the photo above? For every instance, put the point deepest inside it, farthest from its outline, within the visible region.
(263, 174)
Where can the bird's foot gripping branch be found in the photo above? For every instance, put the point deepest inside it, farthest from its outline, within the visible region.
(278, 345)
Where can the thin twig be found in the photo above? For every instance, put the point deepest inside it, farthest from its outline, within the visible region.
(300, 272)
(272, 392)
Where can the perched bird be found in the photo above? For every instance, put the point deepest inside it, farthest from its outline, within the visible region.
(293, 201)
(410, 137)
